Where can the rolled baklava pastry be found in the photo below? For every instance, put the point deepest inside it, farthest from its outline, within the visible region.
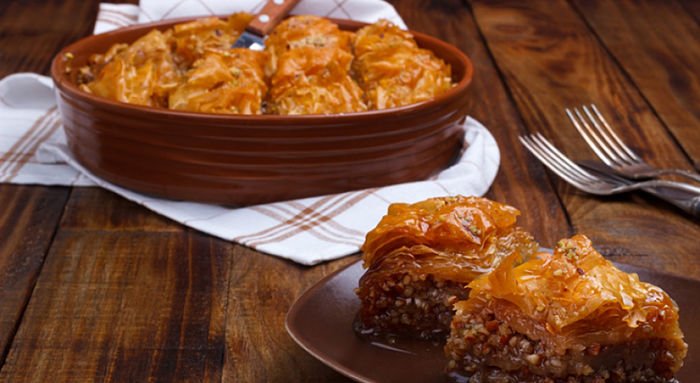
(392, 69)
(570, 316)
(142, 73)
(230, 81)
(309, 64)
(193, 39)
(420, 258)
(304, 31)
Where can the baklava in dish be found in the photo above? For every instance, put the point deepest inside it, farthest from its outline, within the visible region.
(393, 70)
(309, 66)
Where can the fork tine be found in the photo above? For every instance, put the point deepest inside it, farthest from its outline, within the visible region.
(600, 143)
(542, 156)
(561, 157)
(554, 164)
(615, 137)
(621, 157)
(589, 140)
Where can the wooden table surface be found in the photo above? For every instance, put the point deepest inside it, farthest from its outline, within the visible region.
(95, 288)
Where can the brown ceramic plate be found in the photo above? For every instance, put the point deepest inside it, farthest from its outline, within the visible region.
(320, 321)
(241, 160)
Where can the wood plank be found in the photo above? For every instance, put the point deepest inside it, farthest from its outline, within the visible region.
(258, 348)
(111, 212)
(27, 221)
(550, 60)
(657, 43)
(31, 34)
(520, 182)
(693, 8)
(121, 298)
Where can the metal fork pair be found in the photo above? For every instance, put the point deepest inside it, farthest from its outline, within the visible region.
(683, 195)
(600, 137)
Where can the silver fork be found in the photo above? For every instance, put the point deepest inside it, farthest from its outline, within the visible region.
(584, 180)
(608, 146)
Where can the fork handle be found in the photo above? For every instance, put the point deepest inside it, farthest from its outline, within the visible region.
(272, 13)
(681, 186)
(684, 173)
(686, 200)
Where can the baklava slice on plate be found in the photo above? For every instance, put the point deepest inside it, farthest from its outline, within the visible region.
(420, 258)
(570, 316)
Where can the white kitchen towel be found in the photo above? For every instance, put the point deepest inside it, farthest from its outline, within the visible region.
(308, 231)
(112, 16)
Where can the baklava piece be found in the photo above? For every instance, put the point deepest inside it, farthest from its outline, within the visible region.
(304, 31)
(193, 39)
(142, 73)
(567, 317)
(230, 81)
(309, 64)
(420, 258)
(392, 69)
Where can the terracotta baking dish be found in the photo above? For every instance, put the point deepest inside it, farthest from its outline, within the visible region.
(243, 160)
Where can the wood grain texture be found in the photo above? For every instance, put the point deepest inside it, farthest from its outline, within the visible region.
(658, 45)
(121, 298)
(28, 218)
(33, 31)
(261, 291)
(29, 36)
(550, 60)
(520, 182)
(110, 212)
(692, 7)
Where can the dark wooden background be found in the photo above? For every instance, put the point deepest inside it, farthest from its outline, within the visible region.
(95, 288)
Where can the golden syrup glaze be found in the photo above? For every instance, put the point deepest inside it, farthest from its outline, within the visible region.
(453, 238)
(142, 73)
(193, 39)
(574, 296)
(309, 68)
(304, 31)
(148, 70)
(227, 81)
(393, 70)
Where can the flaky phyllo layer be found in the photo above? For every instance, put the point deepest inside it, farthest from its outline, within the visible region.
(420, 258)
(573, 297)
(309, 66)
(454, 238)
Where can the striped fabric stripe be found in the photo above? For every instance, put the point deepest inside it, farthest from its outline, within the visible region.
(25, 147)
(315, 221)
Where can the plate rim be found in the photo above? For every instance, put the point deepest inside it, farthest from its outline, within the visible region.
(313, 351)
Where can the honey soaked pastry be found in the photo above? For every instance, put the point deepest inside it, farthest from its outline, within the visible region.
(304, 31)
(571, 316)
(420, 258)
(230, 81)
(310, 62)
(311, 67)
(142, 73)
(393, 70)
(191, 40)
